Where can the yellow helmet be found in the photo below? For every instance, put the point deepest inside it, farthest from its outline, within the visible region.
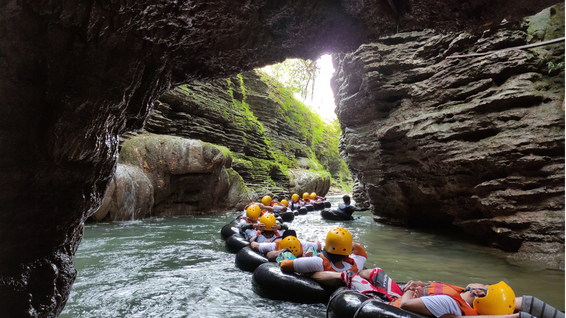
(500, 300)
(253, 212)
(266, 200)
(268, 220)
(292, 244)
(338, 241)
(284, 202)
(313, 195)
(305, 196)
(295, 197)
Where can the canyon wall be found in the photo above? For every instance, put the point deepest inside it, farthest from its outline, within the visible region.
(216, 146)
(76, 75)
(271, 135)
(476, 142)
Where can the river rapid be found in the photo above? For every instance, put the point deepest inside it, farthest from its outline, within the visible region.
(179, 267)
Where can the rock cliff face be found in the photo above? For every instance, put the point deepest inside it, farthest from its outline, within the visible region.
(271, 138)
(174, 176)
(475, 142)
(76, 75)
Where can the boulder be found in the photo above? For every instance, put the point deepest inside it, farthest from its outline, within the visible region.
(187, 175)
(129, 196)
(302, 181)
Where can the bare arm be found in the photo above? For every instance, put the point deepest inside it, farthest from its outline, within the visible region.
(413, 285)
(327, 278)
(271, 256)
(416, 305)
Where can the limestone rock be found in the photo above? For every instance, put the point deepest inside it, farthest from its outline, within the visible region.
(474, 142)
(302, 181)
(245, 114)
(188, 176)
(129, 196)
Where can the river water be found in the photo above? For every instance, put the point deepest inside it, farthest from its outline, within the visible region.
(179, 267)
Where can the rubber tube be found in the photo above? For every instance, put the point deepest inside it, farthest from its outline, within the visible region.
(376, 309)
(335, 215)
(327, 205)
(288, 216)
(347, 303)
(229, 230)
(248, 260)
(539, 308)
(344, 303)
(236, 242)
(319, 206)
(269, 281)
(309, 207)
(303, 210)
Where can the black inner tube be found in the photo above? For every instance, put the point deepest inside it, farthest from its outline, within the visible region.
(236, 242)
(229, 230)
(269, 281)
(347, 303)
(248, 260)
(335, 215)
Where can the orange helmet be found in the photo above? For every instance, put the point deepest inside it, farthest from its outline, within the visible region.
(306, 196)
(284, 202)
(295, 197)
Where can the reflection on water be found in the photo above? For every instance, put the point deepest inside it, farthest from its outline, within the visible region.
(178, 267)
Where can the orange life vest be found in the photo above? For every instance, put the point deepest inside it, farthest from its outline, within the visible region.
(328, 267)
(438, 288)
(271, 239)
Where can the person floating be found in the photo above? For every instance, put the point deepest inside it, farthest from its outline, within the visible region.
(287, 243)
(251, 216)
(339, 254)
(347, 208)
(267, 231)
(295, 203)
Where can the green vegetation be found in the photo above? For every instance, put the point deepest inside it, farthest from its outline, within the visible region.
(267, 148)
(552, 66)
(320, 139)
(298, 75)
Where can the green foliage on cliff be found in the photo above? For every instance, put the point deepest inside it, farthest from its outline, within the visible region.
(266, 129)
(320, 139)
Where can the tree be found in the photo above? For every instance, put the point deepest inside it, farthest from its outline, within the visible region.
(297, 74)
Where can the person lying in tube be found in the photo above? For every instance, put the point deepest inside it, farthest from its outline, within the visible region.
(289, 247)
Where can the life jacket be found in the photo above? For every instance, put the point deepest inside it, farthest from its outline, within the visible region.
(385, 285)
(328, 264)
(438, 288)
(271, 239)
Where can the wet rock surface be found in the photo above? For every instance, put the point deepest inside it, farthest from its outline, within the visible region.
(76, 75)
(473, 142)
(129, 196)
(214, 112)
